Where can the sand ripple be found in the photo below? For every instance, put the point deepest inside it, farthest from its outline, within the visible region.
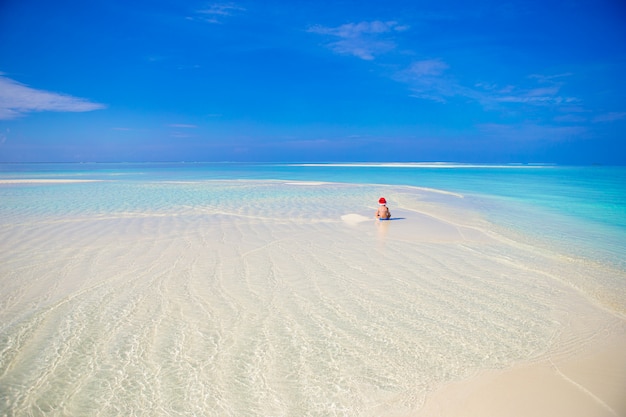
(262, 306)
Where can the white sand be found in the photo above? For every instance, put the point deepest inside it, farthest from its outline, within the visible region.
(354, 219)
(584, 377)
(44, 181)
(313, 309)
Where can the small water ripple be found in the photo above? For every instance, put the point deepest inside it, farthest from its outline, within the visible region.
(280, 309)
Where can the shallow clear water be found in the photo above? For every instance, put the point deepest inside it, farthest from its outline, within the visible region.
(582, 210)
(182, 290)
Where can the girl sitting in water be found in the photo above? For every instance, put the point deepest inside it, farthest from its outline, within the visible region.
(383, 212)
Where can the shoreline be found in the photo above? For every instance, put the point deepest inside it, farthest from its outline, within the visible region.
(44, 181)
(334, 307)
(587, 383)
(581, 374)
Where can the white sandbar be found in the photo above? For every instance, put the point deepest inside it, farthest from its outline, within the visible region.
(44, 181)
(232, 298)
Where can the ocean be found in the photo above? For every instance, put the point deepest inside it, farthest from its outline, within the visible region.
(269, 289)
(580, 208)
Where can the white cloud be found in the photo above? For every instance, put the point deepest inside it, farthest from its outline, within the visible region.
(546, 95)
(427, 79)
(430, 67)
(548, 79)
(610, 117)
(17, 99)
(529, 132)
(214, 12)
(364, 39)
(527, 97)
(570, 118)
(430, 79)
(3, 136)
(182, 126)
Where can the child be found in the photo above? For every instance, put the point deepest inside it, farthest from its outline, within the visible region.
(383, 212)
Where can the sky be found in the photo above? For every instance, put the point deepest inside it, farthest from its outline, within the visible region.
(488, 81)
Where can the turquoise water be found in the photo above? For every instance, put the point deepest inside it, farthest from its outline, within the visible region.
(179, 289)
(580, 209)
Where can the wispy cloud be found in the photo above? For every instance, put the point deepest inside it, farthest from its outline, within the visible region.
(364, 40)
(570, 118)
(610, 117)
(17, 99)
(427, 79)
(214, 13)
(182, 126)
(182, 130)
(431, 80)
(534, 96)
(3, 136)
(428, 68)
(529, 132)
(547, 92)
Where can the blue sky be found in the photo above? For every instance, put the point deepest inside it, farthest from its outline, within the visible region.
(408, 80)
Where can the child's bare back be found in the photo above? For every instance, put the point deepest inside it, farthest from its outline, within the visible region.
(383, 211)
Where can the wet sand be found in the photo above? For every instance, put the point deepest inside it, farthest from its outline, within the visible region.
(228, 308)
(584, 377)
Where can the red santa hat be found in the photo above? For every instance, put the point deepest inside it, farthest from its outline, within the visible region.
(382, 201)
